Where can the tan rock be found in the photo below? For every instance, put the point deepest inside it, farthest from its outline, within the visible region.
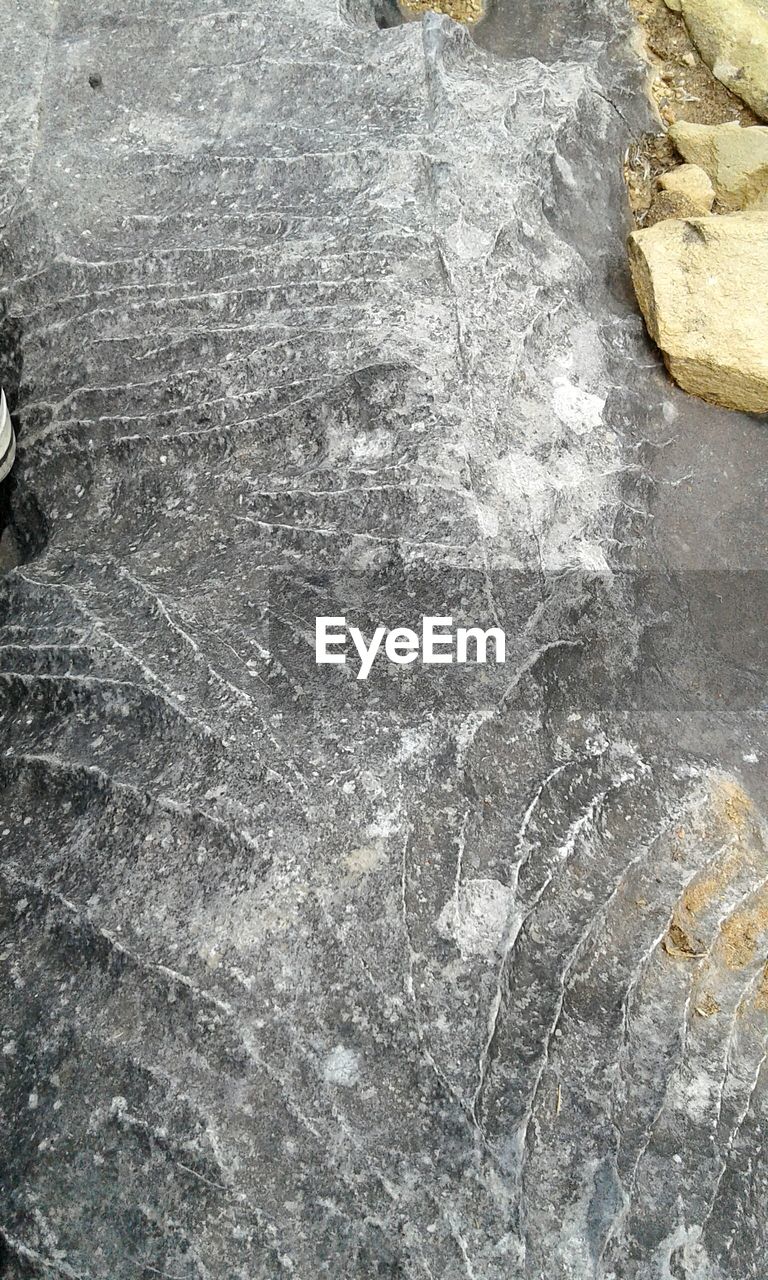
(732, 38)
(467, 11)
(735, 159)
(675, 5)
(671, 204)
(693, 182)
(702, 285)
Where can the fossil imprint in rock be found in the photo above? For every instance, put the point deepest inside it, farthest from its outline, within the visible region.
(304, 977)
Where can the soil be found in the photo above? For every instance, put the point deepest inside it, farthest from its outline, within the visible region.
(467, 11)
(679, 946)
(682, 87)
(742, 934)
(707, 1006)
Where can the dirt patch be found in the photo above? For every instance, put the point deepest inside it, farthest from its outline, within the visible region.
(682, 87)
(702, 893)
(732, 805)
(467, 11)
(679, 945)
(732, 819)
(707, 1006)
(744, 932)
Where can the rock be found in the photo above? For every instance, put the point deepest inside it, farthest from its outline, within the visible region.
(692, 182)
(385, 13)
(732, 38)
(671, 204)
(675, 5)
(7, 439)
(467, 11)
(702, 285)
(313, 977)
(735, 159)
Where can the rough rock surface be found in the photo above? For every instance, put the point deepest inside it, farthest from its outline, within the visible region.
(702, 285)
(461, 10)
(735, 159)
(451, 974)
(732, 38)
(671, 204)
(691, 181)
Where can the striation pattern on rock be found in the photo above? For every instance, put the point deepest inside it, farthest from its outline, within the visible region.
(446, 974)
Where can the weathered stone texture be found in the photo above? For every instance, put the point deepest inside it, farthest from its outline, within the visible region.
(732, 38)
(302, 976)
(736, 160)
(702, 284)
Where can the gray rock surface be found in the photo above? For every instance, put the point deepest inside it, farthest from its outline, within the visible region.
(449, 974)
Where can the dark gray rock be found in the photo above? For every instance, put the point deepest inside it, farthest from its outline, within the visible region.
(452, 973)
